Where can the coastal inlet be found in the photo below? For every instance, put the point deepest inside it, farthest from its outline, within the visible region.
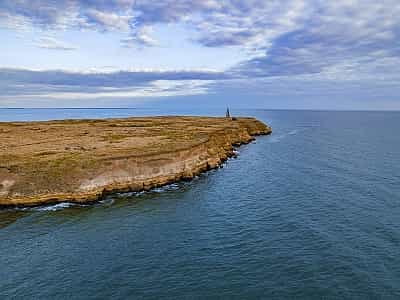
(84, 160)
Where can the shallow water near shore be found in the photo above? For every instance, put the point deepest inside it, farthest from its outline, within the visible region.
(312, 211)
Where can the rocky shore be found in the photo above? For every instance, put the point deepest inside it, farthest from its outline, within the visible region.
(84, 160)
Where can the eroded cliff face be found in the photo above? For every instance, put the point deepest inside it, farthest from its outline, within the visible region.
(83, 160)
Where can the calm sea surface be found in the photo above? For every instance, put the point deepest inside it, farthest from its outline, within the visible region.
(312, 212)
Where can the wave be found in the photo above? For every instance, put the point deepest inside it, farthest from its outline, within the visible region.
(162, 189)
(52, 207)
(108, 201)
(278, 138)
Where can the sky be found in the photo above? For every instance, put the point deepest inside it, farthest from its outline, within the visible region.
(286, 54)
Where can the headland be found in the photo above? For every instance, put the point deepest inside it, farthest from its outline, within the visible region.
(84, 160)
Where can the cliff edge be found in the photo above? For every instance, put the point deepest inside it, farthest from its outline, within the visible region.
(83, 160)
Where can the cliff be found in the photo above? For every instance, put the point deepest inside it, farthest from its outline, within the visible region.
(82, 160)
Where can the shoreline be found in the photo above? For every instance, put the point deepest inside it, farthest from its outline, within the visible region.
(83, 161)
(107, 194)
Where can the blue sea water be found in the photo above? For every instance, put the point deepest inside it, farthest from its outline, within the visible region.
(309, 212)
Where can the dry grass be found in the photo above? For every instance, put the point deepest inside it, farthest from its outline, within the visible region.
(47, 155)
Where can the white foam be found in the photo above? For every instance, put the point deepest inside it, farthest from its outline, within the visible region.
(278, 138)
(107, 201)
(54, 207)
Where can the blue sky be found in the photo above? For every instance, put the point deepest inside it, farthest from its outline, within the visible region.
(301, 54)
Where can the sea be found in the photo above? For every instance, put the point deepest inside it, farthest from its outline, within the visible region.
(310, 212)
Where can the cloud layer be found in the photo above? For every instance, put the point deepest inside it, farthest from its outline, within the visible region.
(295, 40)
(58, 84)
(299, 36)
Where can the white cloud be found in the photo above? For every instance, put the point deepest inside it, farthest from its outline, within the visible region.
(108, 20)
(142, 37)
(155, 89)
(30, 85)
(293, 41)
(48, 42)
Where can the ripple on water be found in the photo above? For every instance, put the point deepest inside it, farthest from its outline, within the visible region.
(315, 216)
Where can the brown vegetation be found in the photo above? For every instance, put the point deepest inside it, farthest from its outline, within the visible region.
(81, 160)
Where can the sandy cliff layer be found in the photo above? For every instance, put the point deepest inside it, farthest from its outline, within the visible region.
(82, 160)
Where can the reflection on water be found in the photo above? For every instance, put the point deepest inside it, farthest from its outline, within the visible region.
(8, 217)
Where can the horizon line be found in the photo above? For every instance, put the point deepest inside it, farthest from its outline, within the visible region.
(271, 109)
